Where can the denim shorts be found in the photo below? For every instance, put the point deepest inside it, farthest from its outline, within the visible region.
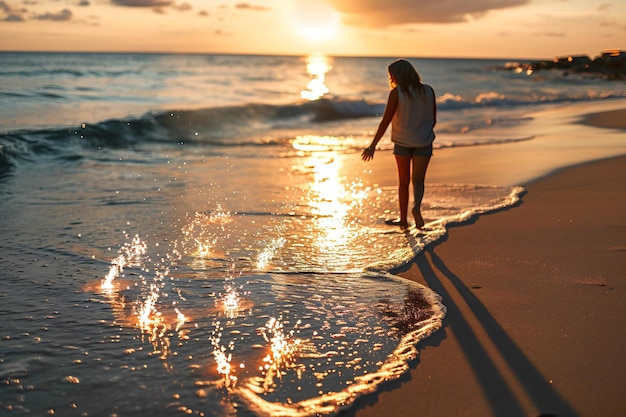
(404, 151)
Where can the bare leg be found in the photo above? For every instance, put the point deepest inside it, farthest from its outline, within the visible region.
(420, 164)
(404, 179)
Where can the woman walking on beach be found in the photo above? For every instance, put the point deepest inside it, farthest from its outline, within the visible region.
(412, 112)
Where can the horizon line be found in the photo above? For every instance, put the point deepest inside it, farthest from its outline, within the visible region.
(275, 54)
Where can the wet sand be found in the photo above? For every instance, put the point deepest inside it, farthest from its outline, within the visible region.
(536, 300)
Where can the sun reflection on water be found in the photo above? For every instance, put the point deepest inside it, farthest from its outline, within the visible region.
(317, 66)
(332, 199)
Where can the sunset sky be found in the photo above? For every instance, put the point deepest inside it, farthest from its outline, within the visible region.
(408, 28)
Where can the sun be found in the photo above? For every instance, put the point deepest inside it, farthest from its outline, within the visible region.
(315, 20)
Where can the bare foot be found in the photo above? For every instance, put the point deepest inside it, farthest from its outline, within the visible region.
(419, 221)
(398, 222)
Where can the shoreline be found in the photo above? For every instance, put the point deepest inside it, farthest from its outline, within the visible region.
(535, 298)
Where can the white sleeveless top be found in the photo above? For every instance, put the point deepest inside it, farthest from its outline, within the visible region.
(413, 122)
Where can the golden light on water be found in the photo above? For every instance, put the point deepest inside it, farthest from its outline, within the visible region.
(316, 66)
(333, 200)
(331, 218)
(327, 196)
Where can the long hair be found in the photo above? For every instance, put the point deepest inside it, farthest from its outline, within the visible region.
(404, 76)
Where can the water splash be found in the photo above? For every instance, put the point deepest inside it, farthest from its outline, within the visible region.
(152, 323)
(201, 236)
(231, 300)
(181, 319)
(130, 253)
(222, 358)
(283, 351)
(268, 252)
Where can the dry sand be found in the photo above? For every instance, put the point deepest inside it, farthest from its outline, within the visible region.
(536, 305)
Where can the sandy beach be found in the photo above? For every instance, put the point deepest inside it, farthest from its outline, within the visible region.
(535, 298)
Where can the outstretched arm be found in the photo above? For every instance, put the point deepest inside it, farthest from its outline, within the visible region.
(434, 108)
(390, 109)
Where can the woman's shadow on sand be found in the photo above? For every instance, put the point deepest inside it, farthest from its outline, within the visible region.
(497, 390)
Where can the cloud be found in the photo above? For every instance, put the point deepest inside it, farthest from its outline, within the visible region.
(62, 16)
(142, 3)
(8, 9)
(183, 7)
(13, 18)
(376, 13)
(550, 34)
(11, 14)
(250, 7)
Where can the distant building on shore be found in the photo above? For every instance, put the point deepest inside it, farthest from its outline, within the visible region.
(613, 53)
(613, 57)
(573, 61)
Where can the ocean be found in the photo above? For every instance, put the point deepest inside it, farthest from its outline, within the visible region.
(188, 233)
